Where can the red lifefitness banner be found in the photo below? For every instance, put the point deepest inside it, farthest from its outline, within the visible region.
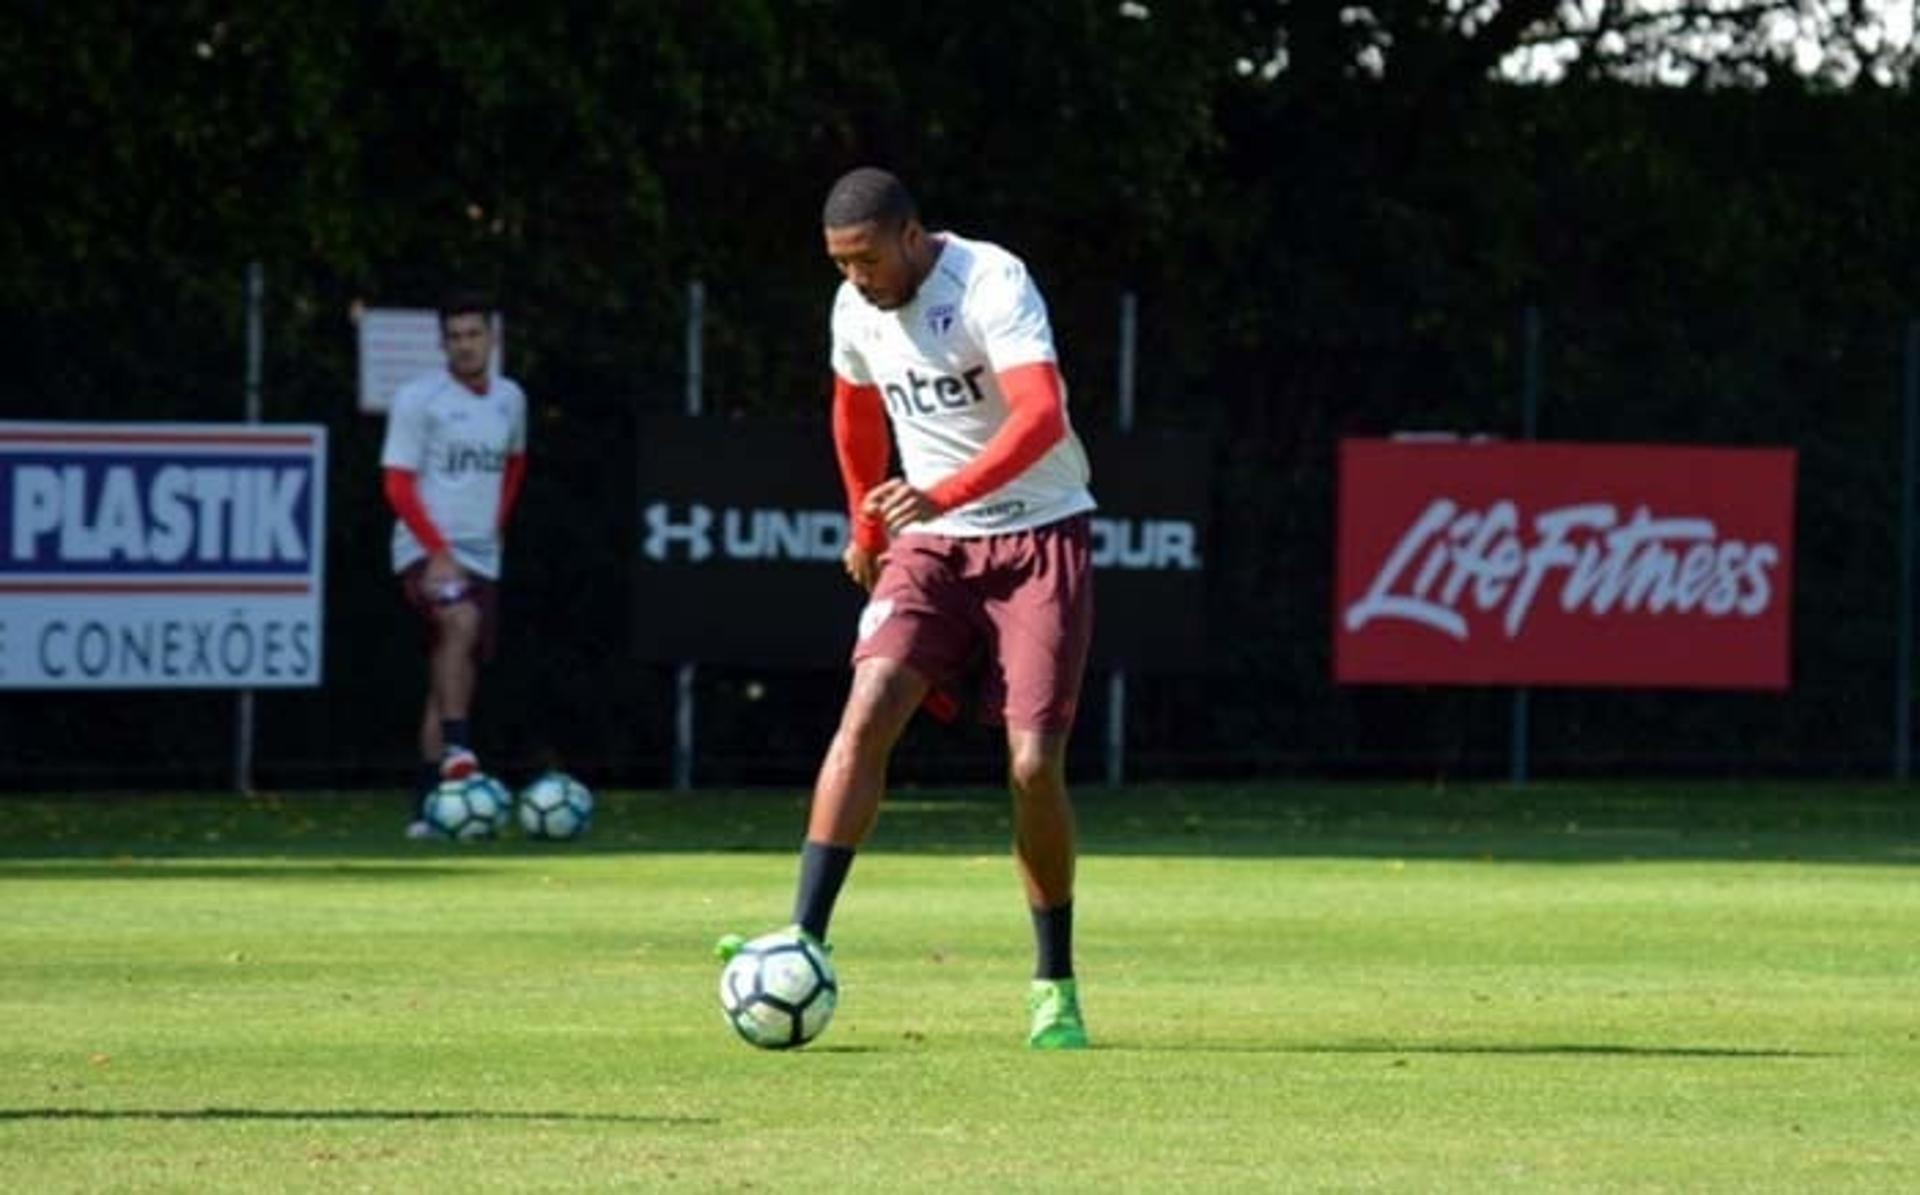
(1475, 563)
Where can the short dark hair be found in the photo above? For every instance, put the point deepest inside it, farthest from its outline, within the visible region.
(868, 195)
(465, 302)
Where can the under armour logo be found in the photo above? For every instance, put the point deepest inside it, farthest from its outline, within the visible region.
(663, 532)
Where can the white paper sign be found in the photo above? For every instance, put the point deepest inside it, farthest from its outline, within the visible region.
(398, 344)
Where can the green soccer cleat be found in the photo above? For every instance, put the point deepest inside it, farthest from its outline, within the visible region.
(1055, 1007)
(729, 945)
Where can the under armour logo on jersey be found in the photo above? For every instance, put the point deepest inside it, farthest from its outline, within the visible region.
(940, 318)
(663, 532)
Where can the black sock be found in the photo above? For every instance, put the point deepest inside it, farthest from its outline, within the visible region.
(1053, 942)
(453, 732)
(823, 868)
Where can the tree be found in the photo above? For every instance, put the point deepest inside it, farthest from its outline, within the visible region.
(1671, 42)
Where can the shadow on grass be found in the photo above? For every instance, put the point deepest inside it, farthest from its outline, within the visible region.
(283, 871)
(342, 1114)
(1547, 1049)
(816, 1048)
(1546, 822)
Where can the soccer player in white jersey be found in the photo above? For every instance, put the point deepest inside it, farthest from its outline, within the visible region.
(979, 552)
(454, 460)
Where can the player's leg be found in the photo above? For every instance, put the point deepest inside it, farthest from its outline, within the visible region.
(848, 790)
(427, 775)
(918, 629)
(1042, 617)
(1045, 855)
(453, 668)
(853, 775)
(851, 782)
(431, 743)
(1043, 840)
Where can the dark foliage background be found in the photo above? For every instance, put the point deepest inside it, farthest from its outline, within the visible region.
(1322, 252)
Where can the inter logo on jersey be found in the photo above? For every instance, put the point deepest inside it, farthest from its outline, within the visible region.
(462, 457)
(930, 394)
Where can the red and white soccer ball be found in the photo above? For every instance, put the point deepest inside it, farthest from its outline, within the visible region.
(779, 991)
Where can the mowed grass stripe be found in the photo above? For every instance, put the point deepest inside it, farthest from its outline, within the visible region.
(1295, 989)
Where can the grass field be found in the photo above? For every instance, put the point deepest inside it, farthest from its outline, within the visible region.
(1682, 988)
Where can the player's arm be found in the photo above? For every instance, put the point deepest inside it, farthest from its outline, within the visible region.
(514, 474)
(511, 478)
(400, 455)
(1036, 421)
(403, 495)
(860, 445)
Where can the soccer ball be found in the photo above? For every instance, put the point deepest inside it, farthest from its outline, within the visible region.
(555, 806)
(468, 809)
(779, 991)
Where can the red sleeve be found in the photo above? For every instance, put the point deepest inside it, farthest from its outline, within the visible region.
(405, 500)
(1036, 421)
(510, 479)
(860, 444)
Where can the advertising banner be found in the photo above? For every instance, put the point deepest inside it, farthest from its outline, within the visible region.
(742, 525)
(1478, 563)
(161, 556)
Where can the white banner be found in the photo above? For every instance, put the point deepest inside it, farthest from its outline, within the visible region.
(161, 556)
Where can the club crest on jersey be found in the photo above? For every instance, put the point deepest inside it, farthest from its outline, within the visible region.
(940, 318)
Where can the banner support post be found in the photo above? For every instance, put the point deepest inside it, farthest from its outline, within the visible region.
(687, 672)
(1903, 652)
(1529, 424)
(243, 709)
(1117, 678)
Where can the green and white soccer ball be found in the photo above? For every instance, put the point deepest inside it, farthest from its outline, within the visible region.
(555, 806)
(779, 991)
(476, 807)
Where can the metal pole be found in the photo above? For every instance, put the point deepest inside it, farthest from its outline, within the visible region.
(696, 347)
(683, 727)
(1903, 651)
(1123, 415)
(685, 674)
(1529, 426)
(243, 710)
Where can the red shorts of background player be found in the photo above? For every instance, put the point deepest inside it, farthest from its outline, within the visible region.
(484, 594)
(1018, 605)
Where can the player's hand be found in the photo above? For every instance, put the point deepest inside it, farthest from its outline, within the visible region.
(898, 504)
(862, 565)
(444, 579)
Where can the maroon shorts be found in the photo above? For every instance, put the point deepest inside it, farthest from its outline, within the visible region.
(1018, 606)
(483, 593)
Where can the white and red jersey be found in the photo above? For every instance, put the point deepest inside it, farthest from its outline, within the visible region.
(457, 444)
(935, 363)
